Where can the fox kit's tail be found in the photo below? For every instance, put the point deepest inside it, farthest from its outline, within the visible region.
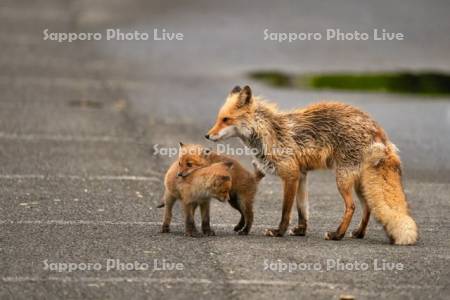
(382, 189)
(257, 172)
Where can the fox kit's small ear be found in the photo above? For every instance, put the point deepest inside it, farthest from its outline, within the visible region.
(181, 150)
(228, 164)
(235, 90)
(245, 96)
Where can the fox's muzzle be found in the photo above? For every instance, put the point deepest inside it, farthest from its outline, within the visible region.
(213, 138)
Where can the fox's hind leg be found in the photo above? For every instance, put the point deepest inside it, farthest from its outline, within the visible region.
(169, 200)
(302, 207)
(206, 227)
(345, 180)
(235, 203)
(361, 230)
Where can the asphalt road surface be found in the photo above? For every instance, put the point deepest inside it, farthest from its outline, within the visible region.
(80, 180)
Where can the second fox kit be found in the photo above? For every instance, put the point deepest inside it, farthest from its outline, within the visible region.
(323, 135)
(244, 183)
(194, 190)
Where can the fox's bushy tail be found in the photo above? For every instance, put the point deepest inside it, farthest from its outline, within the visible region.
(383, 191)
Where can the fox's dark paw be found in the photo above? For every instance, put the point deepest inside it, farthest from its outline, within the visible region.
(273, 232)
(357, 234)
(193, 234)
(332, 235)
(298, 231)
(165, 229)
(209, 232)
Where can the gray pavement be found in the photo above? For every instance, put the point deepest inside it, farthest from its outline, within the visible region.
(78, 122)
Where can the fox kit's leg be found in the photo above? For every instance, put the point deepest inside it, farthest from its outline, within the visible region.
(234, 202)
(206, 227)
(345, 181)
(246, 204)
(361, 230)
(189, 210)
(169, 200)
(302, 206)
(290, 189)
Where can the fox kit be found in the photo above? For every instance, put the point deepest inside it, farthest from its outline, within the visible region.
(323, 135)
(194, 190)
(244, 183)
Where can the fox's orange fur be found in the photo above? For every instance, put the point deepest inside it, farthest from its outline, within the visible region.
(244, 183)
(195, 189)
(382, 187)
(324, 135)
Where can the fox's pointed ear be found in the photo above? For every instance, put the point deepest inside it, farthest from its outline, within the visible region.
(245, 96)
(236, 90)
(181, 150)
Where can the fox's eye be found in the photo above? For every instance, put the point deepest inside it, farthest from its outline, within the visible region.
(225, 119)
(189, 164)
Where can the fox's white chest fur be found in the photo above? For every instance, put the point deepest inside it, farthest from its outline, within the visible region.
(260, 154)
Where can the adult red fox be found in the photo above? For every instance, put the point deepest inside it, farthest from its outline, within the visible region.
(323, 135)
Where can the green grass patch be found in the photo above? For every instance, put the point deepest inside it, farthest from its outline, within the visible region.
(273, 78)
(427, 83)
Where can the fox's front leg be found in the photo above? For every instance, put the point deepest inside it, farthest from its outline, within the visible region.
(290, 189)
(190, 229)
(206, 227)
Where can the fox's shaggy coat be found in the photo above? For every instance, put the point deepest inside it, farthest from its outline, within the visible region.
(323, 135)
